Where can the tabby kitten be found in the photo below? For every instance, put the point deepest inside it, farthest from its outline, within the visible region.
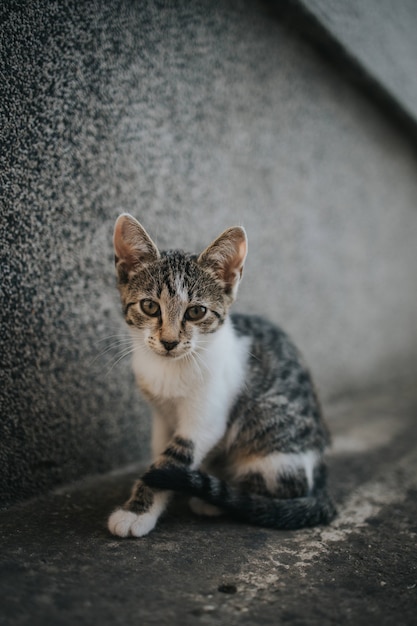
(236, 421)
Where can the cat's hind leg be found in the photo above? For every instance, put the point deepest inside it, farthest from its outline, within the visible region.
(199, 507)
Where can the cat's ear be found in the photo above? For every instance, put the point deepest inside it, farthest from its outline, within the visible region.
(226, 256)
(132, 246)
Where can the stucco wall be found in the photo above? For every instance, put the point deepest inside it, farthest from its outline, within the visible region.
(193, 117)
(380, 36)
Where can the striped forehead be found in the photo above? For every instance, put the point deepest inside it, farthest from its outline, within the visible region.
(178, 276)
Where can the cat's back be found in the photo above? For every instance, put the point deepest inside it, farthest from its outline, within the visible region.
(279, 395)
(272, 351)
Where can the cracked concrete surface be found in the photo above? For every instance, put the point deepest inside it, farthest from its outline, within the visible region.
(59, 565)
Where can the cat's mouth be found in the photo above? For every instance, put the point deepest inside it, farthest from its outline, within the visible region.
(169, 355)
(172, 350)
(172, 355)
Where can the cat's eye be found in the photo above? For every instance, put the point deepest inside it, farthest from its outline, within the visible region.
(195, 313)
(149, 307)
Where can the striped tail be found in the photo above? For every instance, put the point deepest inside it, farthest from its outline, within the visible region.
(249, 507)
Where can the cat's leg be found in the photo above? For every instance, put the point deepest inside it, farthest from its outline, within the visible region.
(197, 432)
(188, 448)
(279, 475)
(161, 435)
(199, 507)
(139, 514)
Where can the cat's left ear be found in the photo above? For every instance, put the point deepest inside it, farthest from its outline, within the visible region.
(133, 248)
(226, 256)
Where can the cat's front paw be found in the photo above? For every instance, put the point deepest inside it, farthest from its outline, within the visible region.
(127, 524)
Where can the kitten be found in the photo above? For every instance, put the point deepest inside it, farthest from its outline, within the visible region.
(236, 420)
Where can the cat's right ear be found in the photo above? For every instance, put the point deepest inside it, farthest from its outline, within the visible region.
(132, 246)
(226, 256)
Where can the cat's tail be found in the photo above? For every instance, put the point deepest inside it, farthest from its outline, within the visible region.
(249, 507)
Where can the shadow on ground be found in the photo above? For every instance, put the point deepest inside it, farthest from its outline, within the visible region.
(60, 566)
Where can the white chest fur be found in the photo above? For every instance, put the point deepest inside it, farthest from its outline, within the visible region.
(212, 376)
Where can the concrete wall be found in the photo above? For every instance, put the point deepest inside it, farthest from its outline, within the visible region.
(379, 36)
(192, 116)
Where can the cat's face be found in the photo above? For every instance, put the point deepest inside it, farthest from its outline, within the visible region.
(174, 304)
(174, 300)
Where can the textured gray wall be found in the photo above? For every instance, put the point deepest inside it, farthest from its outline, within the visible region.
(381, 36)
(193, 117)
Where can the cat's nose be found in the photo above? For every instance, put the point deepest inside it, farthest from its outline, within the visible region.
(169, 345)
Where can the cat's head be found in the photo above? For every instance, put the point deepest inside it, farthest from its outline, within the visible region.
(176, 300)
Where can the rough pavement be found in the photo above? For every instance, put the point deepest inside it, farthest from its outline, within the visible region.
(60, 566)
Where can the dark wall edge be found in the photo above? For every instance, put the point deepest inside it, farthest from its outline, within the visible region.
(301, 22)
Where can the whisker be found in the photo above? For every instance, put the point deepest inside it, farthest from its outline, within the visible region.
(115, 336)
(199, 360)
(121, 343)
(113, 346)
(201, 348)
(191, 357)
(121, 357)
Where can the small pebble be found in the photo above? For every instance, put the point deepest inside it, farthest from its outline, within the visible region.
(227, 588)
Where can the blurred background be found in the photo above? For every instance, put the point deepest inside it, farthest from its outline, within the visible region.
(295, 119)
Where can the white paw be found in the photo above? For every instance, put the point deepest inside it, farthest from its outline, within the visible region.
(143, 524)
(120, 522)
(125, 523)
(199, 507)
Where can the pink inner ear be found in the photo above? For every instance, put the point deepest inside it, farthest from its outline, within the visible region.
(243, 248)
(121, 249)
(132, 244)
(234, 267)
(226, 256)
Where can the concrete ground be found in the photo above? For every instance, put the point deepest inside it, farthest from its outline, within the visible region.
(60, 566)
